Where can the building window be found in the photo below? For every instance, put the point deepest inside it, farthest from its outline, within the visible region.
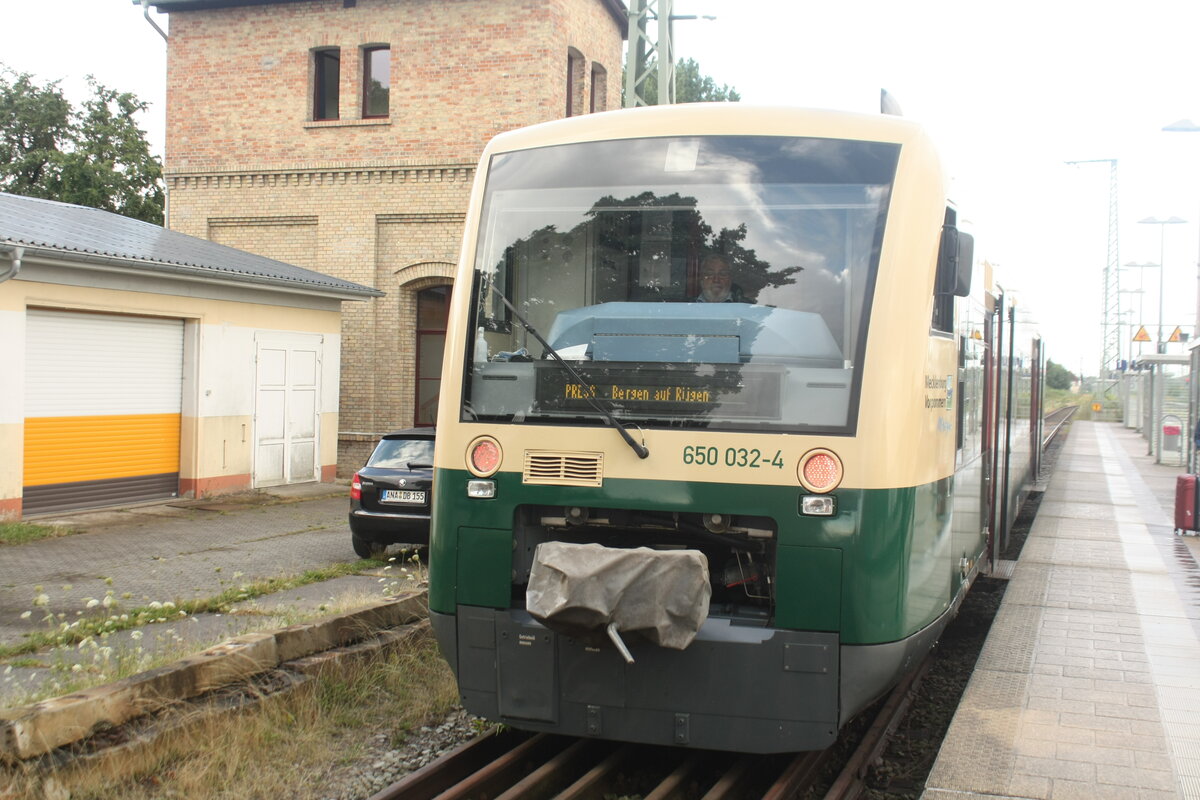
(377, 81)
(433, 306)
(575, 77)
(326, 74)
(599, 88)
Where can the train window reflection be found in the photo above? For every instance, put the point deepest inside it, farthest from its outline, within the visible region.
(740, 282)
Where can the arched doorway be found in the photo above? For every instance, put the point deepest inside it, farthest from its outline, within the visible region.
(433, 306)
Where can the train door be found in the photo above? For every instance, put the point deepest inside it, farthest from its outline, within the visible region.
(996, 426)
(1035, 411)
(987, 502)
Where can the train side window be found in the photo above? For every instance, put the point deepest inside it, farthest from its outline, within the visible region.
(961, 405)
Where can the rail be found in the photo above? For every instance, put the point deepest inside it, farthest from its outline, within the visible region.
(1053, 422)
(506, 765)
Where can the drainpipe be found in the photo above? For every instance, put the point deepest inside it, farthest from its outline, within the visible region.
(15, 254)
(146, 13)
(145, 4)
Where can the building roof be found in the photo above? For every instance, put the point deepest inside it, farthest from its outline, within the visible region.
(168, 6)
(615, 7)
(89, 235)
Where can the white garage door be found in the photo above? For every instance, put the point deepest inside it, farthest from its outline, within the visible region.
(102, 409)
(286, 423)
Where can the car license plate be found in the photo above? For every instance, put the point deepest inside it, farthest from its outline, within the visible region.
(402, 496)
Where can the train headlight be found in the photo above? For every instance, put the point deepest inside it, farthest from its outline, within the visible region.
(819, 471)
(818, 505)
(484, 456)
(481, 489)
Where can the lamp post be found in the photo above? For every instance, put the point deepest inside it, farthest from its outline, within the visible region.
(1141, 291)
(1162, 227)
(1122, 314)
(1156, 394)
(1187, 126)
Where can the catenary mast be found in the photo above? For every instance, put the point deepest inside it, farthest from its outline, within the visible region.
(1111, 319)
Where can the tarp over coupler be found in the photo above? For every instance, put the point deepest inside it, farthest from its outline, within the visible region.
(591, 592)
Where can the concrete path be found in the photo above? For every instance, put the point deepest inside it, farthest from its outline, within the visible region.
(1088, 684)
(170, 552)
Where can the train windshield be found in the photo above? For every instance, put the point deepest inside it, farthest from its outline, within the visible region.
(715, 281)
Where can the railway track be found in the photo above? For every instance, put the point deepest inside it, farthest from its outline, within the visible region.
(508, 764)
(1053, 422)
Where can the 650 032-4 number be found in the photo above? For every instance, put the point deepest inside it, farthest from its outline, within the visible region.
(749, 458)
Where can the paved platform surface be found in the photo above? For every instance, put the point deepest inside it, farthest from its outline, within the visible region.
(175, 551)
(1089, 684)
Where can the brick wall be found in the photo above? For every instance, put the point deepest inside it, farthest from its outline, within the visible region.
(378, 202)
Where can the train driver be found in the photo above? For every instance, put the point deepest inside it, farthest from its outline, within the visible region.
(716, 281)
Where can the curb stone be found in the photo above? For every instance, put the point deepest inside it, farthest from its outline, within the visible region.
(34, 730)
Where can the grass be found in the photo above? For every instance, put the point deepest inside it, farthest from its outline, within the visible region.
(99, 658)
(22, 532)
(296, 746)
(60, 633)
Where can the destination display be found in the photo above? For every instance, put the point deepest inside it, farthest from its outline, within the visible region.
(661, 390)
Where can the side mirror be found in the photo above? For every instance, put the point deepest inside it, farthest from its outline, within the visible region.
(966, 262)
(955, 261)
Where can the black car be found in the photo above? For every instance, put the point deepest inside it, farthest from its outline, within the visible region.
(390, 496)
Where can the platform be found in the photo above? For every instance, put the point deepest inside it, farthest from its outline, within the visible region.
(1089, 683)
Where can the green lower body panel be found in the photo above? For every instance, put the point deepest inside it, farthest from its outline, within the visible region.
(887, 565)
(735, 688)
(850, 603)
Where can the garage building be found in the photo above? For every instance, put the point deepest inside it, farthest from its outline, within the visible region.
(139, 363)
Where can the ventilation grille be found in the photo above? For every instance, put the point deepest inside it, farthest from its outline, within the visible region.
(562, 468)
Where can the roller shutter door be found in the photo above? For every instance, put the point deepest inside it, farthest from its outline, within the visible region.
(102, 409)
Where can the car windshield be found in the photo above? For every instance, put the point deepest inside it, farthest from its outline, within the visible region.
(716, 281)
(401, 453)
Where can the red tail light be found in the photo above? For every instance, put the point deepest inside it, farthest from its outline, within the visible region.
(820, 471)
(356, 488)
(484, 456)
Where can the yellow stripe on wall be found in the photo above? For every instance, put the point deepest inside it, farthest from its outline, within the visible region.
(69, 449)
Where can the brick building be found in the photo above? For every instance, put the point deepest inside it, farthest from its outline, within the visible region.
(343, 135)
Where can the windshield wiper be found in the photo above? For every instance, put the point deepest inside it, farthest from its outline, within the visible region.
(640, 449)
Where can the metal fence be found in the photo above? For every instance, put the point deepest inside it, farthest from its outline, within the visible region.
(1157, 402)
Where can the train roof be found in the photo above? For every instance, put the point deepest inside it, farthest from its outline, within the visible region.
(711, 119)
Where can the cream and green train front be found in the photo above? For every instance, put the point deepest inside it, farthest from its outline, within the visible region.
(799, 435)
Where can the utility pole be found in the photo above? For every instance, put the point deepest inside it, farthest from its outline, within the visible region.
(1111, 324)
(642, 52)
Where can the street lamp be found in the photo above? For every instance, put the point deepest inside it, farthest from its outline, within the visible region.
(1162, 227)
(1187, 126)
(1140, 267)
(1121, 314)
(1124, 320)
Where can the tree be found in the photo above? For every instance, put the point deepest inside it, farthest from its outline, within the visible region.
(34, 121)
(97, 156)
(690, 85)
(1057, 376)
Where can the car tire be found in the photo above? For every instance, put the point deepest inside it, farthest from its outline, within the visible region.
(365, 548)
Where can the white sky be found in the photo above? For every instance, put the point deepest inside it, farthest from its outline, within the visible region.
(1009, 90)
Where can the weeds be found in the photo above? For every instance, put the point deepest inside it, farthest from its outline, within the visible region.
(285, 748)
(22, 532)
(107, 641)
(113, 618)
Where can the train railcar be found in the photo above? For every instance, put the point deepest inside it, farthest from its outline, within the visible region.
(722, 427)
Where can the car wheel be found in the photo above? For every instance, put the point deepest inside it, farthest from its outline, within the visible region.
(365, 548)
